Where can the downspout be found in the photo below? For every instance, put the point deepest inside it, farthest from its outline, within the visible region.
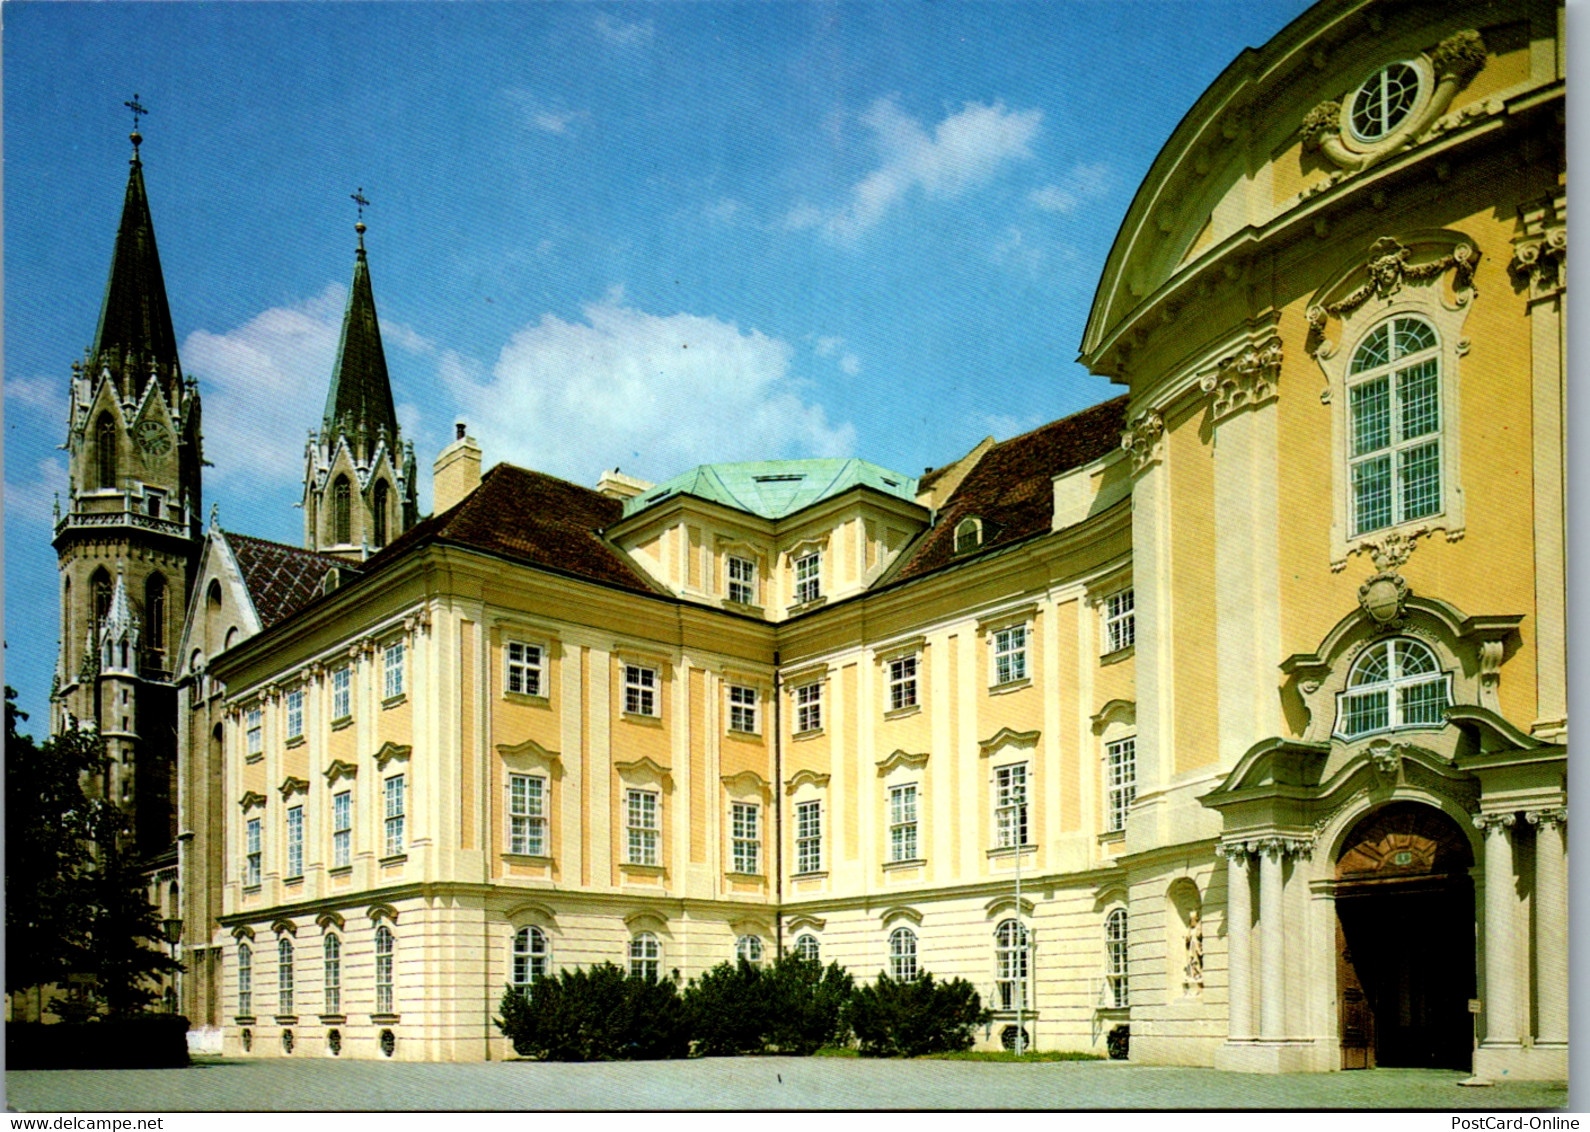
(778, 811)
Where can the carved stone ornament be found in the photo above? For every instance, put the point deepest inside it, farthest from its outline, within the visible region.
(1392, 549)
(1557, 817)
(1388, 269)
(1540, 262)
(1143, 438)
(1245, 378)
(1386, 757)
(1494, 823)
(1279, 847)
(1384, 597)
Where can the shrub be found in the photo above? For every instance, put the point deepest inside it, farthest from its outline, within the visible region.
(1118, 1043)
(133, 1041)
(909, 1018)
(597, 1014)
(793, 1006)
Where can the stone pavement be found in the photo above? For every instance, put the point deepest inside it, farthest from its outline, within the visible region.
(742, 1083)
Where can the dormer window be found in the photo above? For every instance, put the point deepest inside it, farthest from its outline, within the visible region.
(968, 535)
(1384, 102)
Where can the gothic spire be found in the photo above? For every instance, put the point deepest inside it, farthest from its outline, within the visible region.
(361, 393)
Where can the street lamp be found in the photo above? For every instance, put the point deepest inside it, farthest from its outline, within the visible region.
(171, 927)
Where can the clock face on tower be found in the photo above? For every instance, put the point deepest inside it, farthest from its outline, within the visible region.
(154, 438)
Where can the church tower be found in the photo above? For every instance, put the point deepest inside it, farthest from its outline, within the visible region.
(360, 489)
(128, 538)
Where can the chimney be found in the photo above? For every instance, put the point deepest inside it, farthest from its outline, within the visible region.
(457, 471)
(616, 485)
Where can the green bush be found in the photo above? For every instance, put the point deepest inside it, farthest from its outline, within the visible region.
(793, 1006)
(130, 1041)
(909, 1018)
(596, 1014)
(1119, 1043)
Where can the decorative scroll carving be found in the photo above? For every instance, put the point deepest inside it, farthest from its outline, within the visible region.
(1491, 654)
(1387, 757)
(1244, 379)
(1540, 262)
(1384, 597)
(1144, 438)
(1557, 817)
(1273, 845)
(1494, 823)
(1320, 122)
(1388, 269)
(1459, 56)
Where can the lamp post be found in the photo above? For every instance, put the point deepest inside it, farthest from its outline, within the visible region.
(171, 927)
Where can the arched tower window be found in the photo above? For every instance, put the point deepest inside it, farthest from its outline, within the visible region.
(1396, 683)
(341, 511)
(155, 617)
(1394, 401)
(105, 451)
(381, 503)
(100, 591)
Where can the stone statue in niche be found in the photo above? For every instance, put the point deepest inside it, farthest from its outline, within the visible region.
(1193, 973)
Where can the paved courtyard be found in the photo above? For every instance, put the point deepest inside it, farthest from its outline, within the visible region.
(742, 1083)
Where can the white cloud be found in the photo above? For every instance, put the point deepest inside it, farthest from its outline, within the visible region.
(1012, 248)
(538, 116)
(654, 394)
(32, 501)
(1085, 182)
(621, 33)
(41, 394)
(963, 152)
(833, 346)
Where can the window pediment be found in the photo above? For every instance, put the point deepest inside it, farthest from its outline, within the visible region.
(530, 755)
(645, 771)
(1007, 738)
(338, 769)
(389, 751)
(747, 783)
(900, 912)
(805, 922)
(899, 759)
(252, 800)
(806, 778)
(379, 912)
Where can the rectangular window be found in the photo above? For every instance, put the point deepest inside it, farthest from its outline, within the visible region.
(1010, 805)
(902, 822)
(392, 671)
(742, 580)
(808, 837)
(295, 714)
(1010, 654)
(808, 578)
(342, 829)
(643, 827)
(527, 816)
(524, 669)
(392, 792)
(251, 854)
(284, 977)
(341, 692)
(809, 708)
(902, 683)
(1122, 756)
(333, 981)
(245, 980)
(255, 730)
(295, 841)
(742, 709)
(747, 840)
(1120, 621)
(640, 690)
(1396, 447)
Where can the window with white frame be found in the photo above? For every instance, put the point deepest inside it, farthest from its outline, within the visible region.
(385, 952)
(1120, 621)
(295, 714)
(527, 817)
(295, 841)
(1010, 654)
(640, 690)
(252, 833)
(524, 665)
(808, 577)
(332, 981)
(809, 707)
(749, 948)
(530, 958)
(395, 808)
(742, 580)
(808, 837)
(968, 534)
(342, 829)
(1010, 805)
(1395, 683)
(645, 957)
(254, 730)
(1122, 758)
(1115, 959)
(1394, 406)
(1383, 102)
(902, 954)
(902, 822)
(643, 826)
(745, 833)
(902, 683)
(245, 980)
(742, 709)
(284, 976)
(1010, 965)
(341, 692)
(807, 947)
(392, 670)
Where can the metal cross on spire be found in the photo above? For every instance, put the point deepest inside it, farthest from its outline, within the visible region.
(359, 199)
(138, 111)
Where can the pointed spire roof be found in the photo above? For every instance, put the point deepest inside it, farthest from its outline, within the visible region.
(360, 389)
(135, 316)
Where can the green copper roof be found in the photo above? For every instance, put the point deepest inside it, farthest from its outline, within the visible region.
(135, 317)
(360, 389)
(775, 488)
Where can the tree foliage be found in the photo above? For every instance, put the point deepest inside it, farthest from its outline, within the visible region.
(912, 1017)
(596, 1014)
(793, 1006)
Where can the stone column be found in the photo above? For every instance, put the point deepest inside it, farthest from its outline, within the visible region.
(1551, 926)
(1272, 940)
(1501, 962)
(1239, 942)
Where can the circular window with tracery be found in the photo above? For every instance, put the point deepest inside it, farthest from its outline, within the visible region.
(1384, 102)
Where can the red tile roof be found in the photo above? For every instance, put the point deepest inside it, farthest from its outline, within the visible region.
(1010, 488)
(281, 579)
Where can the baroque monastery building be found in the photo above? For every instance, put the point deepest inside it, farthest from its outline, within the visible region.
(1157, 716)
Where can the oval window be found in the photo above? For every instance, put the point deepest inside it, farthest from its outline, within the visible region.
(1384, 102)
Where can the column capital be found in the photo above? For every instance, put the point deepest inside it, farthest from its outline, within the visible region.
(1235, 852)
(1494, 823)
(1558, 816)
(1282, 847)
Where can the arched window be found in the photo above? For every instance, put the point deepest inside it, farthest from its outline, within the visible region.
(380, 513)
(105, 437)
(529, 958)
(333, 974)
(1395, 683)
(155, 617)
(1010, 964)
(385, 945)
(645, 957)
(902, 954)
(341, 511)
(806, 946)
(245, 980)
(749, 948)
(100, 587)
(1394, 402)
(968, 534)
(1115, 957)
(284, 976)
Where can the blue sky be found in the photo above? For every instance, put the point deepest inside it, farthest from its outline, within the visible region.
(641, 235)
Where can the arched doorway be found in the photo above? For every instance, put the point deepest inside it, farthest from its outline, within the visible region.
(1405, 940)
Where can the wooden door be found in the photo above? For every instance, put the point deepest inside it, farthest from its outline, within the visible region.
(1357, 1015)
